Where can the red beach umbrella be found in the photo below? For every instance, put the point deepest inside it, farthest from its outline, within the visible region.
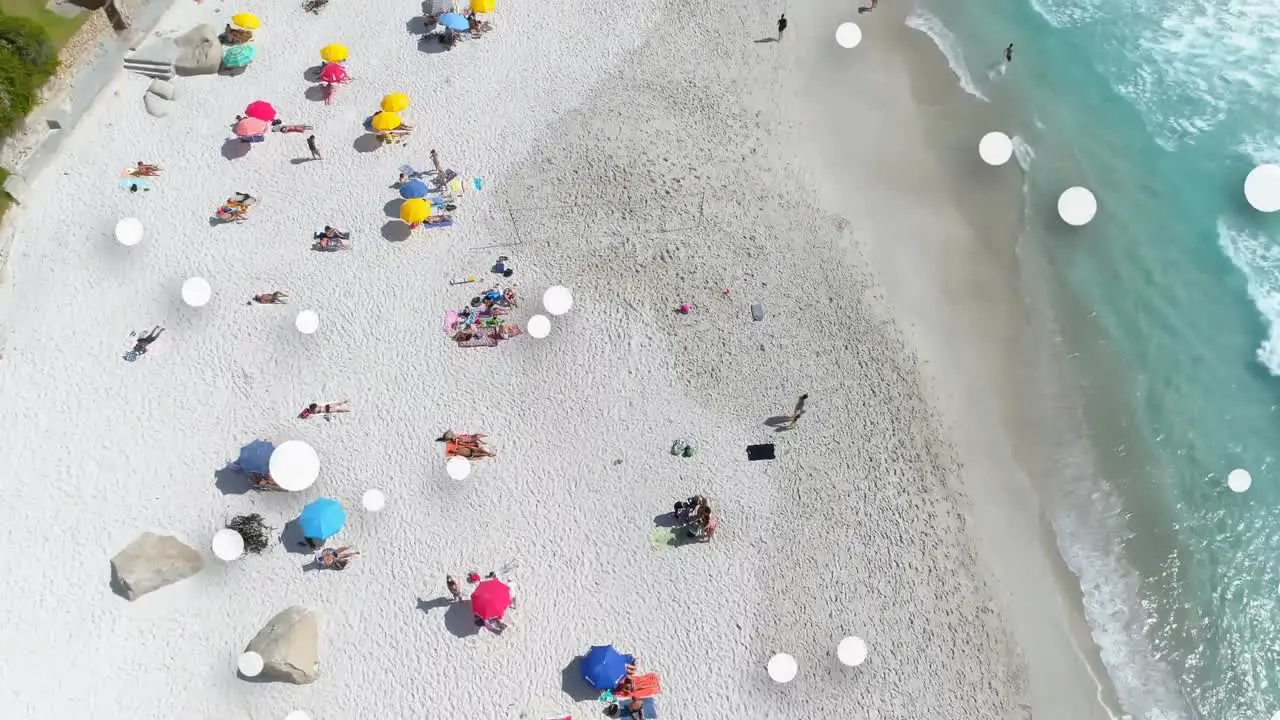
(490, 599)
(249, 127)
(334, 73)
(261, 110)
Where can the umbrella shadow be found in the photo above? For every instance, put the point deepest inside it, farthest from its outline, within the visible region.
(312, 74)
(666, 520)
(294, 540)
(417, 26)
(314, 93)
(225, 71)
(235, 149)
(573, 685)
(431, 44)
(366, 143)
(392, 208)
(460, 621)
(779, 423)
(231, 481)
(395, 231)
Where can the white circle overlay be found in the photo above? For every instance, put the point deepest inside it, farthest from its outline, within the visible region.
(783, 668)
(852, 651)
(557, 299)
(995, 148)
(1262, 190)
(228, 544)
(373, 500)
(249, 663)
(848, 35)
(294, 465)
(129, 231)
(196, 292)
(307, 322)
(1077, 206)
(539, 326)
(1239, 480)
(458, 468)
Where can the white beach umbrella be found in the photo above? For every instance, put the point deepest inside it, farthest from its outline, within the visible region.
(373, 500)
(995, 148)
(249, 664)
(129, 231)
(539, 326)
(1239, 480)
(783, 668)
(307, 322)
(294, 465)
(228, 544)
(196, 292)
(1077, 206)
(852, 651)
(557, 299)
(458, 468)
(848, 35)
(1262, 188)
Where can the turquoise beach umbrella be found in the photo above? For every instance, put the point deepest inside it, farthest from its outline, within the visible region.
(237, 56)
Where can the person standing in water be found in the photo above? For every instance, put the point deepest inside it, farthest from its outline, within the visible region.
(1008, 53)
(782, 25)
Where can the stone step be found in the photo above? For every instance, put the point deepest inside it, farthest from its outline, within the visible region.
(150, 68)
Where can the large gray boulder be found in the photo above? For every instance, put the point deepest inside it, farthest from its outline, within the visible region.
(152, 562)
(290, 647)
(199, 51)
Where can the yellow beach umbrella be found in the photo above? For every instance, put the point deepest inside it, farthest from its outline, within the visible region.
(385, 121)
(333, 52)
(248, 21)
(395, 102)
(483, 6)
(415, 211)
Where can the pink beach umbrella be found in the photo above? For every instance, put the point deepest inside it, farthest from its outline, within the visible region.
(250, 127)
(334, 73)
(261, 110)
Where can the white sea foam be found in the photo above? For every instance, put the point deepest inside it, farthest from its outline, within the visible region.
(1024, 153)
(1259, 259)
(930, 25)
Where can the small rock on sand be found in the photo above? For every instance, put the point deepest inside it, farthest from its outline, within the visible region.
(163, 88)
(152, 562)
(155, 106)
(290, 647)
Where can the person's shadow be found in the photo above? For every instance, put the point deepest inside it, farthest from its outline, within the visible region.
(779, 423)
(766, 40)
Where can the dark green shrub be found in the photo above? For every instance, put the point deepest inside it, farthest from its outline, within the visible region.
(29, 42)
(27, 60)
(254, 530)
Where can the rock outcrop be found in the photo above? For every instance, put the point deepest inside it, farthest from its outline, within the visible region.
(199, 51)
(152, 562)
(290, 647)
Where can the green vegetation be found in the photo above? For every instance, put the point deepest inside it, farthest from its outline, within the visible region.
(60, 29)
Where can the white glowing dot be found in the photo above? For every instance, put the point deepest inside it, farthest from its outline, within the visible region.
(852, 651)
(307, 322)
(297, 715)
(228, 544)
(557, 300)
(458, 468)
(294, 465)
(1276, 716)
(995, 148)
(1262, 190)
(848, 35)
(783, 668)
(1239, 480)
(539, 326)
(196, 292)
(1077, 206)
(250, 664)
(129, 231)
(373, 500)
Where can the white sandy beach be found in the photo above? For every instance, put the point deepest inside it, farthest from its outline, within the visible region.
(645, 156)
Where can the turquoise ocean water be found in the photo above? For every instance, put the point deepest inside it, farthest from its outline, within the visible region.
(1169, 306)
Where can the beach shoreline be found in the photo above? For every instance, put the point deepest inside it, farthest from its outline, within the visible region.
(658, 171)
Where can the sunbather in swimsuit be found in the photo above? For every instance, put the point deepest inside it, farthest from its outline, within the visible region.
(271, 298)
(326, 409)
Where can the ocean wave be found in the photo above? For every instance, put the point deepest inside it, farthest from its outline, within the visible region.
(1066, 13)
(1023, 153)
(1259, 259)
(1261, 148)
(930, 25)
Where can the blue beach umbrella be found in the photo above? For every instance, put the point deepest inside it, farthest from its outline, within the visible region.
(255, 457)
(603, 667)
(238, 56)
(454, 21)
(413, 189)
(322, 519)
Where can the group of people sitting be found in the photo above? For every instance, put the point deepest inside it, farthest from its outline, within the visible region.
(235, 36)
(450, 37)
(634, 688)
(336, 559)
(694, 515)
(467, 445)
(482, 319)
(330, 239)
(235, 208)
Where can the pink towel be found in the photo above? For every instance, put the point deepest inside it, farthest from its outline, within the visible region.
(451, 321)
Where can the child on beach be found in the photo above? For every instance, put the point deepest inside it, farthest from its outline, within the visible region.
(452, 584)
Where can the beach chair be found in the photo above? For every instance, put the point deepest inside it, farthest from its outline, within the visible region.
(642, 686)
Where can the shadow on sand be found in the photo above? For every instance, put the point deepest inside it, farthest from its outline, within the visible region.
(395, 231)
(366, 143)
(233, 149)
(293, 539)
(573, 685)
(779, 423)
(314, 93)
(230, 481)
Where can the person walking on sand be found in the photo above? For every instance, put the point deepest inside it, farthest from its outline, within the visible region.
(452, 584)
(782, 25)
(311, 145)
(435, 162)
(799, 411)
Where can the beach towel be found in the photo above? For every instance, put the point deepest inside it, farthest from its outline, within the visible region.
(143, 183)
(481, 341)
(451, 321)
(764, 451)
(642, 686)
